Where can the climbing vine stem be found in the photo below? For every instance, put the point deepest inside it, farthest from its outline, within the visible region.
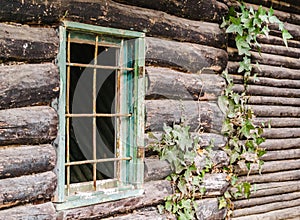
(244, 137)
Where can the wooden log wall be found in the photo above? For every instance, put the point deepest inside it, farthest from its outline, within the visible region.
(275, 101)
(186, 52)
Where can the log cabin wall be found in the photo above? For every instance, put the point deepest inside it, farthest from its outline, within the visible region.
(186, 52)
(275, 101)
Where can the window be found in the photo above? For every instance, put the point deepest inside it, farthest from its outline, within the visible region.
(101, 113)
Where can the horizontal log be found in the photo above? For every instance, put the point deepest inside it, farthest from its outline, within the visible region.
(43, 12)
(269, 100)
(277, 122)
(281, 133)
(264, 81)
(292, 28)
(155, 192)
(275, 111)
(26, 189)
(265, 208)
(33, 159)
(287, 5)
(44, 211)
(28, 84)
(270, 166)
(211, 11)
(287, 213)
(280, 50)
(282, 16)
(156, 169)
(268, 91)
(267, 71)
(280, 144)
(209, 209)
(217, 141)
(29, 125)
(283, 58)
(153, 23)
(215, 184)
(265, 200)
(198, 115)
(24, 43)
(273, 40)
(273, 188)
(281, 155)
(166, 83)
(272, 177)
(184, 56)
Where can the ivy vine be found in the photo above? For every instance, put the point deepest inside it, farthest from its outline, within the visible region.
(243, 137)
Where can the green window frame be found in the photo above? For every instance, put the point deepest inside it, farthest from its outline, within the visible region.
(126, 66)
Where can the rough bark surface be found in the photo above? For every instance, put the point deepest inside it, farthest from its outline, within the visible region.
(185, 56)
(29, 125)
(28, 84)
(24, 43)
(33, 159)
(26, 189)
(44, 211)
(204, 115)
(165, 83)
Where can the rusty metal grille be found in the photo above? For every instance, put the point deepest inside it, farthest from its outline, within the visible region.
(69, 115)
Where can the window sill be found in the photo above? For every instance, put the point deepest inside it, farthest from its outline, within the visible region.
(92, 198)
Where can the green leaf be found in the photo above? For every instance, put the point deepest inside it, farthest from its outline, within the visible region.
(169, 206)
(234, 157)
(286, 36)
(222, 203)
(223, 103)
(234, 28)
(247, 188)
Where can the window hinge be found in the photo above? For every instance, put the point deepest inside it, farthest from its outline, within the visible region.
(141, 71)
(140, 152)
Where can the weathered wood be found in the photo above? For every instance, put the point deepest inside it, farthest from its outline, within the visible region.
(266, 208)
(276, 59)
(26, 189)
(170, 84)
(267, 100)
(268, 71)
(204, 115)
(281, 132)
(28, 84)
(273, 40)
(287, 213)
(272, 177)
(275, 111)
(155, 192)
(184, 56)
(33, 159)
(156, 169)
(280, 50)
(282, 16)
(278, 144)
(271, 166)
(208, 209)
(277, 122)
(24, 43)
(292, 28)
(268, 91)
(205, 139)
(211, 11)
(29, 125)
(43, 12)
(265, 200)
(281, 155)
(44, 211)
(264, 81)
(287, 5)
(152, 22)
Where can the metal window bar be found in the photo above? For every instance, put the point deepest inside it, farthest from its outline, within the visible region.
(94, 115)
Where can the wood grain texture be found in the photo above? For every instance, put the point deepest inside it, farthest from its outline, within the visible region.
(26, 189)
(29, 125)
(204, 115)
(165, 83)
(44, 211)
(28, 84)
(33, 159)
(278, 144)
(30, 44)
